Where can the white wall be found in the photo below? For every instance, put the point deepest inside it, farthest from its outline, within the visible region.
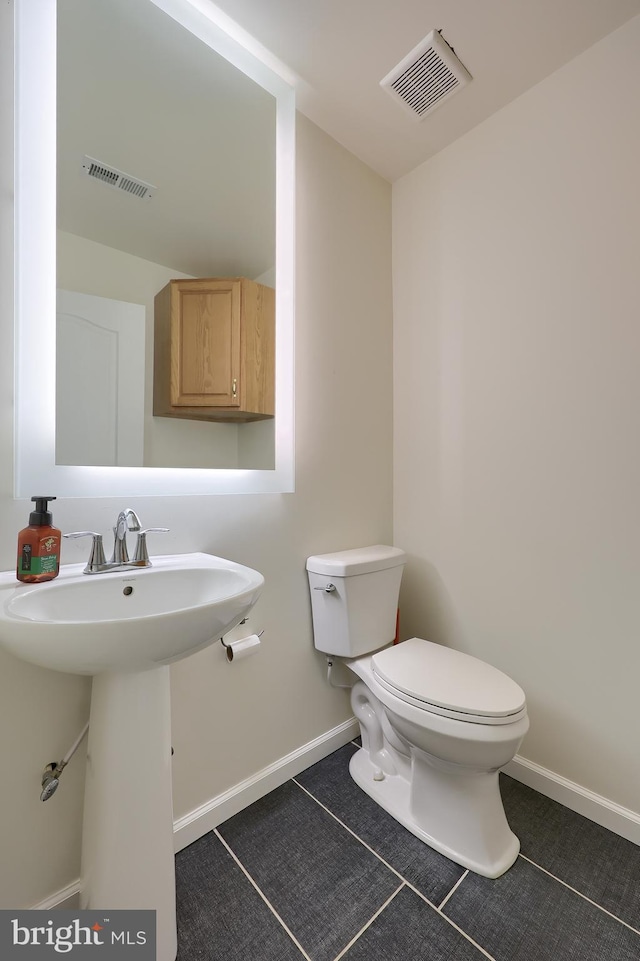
(228, 721)
(517, 407)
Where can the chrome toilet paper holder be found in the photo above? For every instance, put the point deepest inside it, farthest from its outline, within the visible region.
(258, 634)
(229, 648)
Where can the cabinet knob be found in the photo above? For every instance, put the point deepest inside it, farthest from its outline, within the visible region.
(234, 387)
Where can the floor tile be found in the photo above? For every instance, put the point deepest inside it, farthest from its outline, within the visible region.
(329, 781)
(409, 930)
(220, 914)
(598, 863)
(525, 915)
(322, 882)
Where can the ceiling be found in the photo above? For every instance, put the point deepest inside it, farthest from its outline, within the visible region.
(341, 49)
(138, 92)
(127, 72)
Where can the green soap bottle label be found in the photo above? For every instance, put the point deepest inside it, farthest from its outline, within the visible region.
(37, 565)
(42, 565)
(37, 562)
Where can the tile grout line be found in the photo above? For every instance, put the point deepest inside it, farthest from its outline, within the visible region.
(263, 896)
(449, 920)
(579, 893)
(453, 889)
(369, 923)
(397, 873)
(353, 834)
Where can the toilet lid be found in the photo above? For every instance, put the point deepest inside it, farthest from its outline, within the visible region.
(447, 679)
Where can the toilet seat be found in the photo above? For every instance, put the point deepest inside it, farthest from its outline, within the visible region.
(443, 681)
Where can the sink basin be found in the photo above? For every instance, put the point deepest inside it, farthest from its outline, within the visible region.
(128, 620)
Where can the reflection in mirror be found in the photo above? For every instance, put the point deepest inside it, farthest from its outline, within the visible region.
(99, 381)
(143, 94)
(166, 171)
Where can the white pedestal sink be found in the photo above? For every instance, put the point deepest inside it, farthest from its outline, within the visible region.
(125, 628)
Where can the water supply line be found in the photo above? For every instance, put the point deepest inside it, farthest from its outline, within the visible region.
(52, 772)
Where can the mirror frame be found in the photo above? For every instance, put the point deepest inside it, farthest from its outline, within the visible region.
(35, 277)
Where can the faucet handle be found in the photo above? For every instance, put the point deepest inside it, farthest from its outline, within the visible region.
(141, 554)
(97, 559)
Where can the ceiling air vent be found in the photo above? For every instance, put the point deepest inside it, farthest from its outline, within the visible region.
(426, 77)
(113, 177)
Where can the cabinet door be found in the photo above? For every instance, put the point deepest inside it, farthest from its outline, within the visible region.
(205, 337)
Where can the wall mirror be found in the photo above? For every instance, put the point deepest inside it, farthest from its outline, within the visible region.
(161, 90)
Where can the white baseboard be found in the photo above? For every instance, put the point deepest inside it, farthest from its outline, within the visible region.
(600, 809)
(206, 817)
(68, 899)
(203, 819)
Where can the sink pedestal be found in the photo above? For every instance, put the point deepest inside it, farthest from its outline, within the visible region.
(127, 835)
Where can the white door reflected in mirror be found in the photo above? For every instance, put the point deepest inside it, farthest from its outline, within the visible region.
(100, 346)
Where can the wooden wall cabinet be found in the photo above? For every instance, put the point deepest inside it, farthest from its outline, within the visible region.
(214, 350)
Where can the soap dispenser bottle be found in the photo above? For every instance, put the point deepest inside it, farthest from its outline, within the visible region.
(39, 546)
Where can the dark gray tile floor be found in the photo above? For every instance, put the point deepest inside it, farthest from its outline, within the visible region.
(316, 870)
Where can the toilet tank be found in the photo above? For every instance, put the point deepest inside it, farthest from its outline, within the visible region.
(359, 615)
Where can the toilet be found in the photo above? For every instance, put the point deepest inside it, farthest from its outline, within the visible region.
(437, 725)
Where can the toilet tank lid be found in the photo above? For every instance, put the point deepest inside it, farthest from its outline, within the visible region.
(362, 560)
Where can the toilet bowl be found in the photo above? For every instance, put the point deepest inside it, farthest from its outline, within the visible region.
(437, 725)
(432, 761)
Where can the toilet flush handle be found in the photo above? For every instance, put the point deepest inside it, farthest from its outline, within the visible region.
(329, 589)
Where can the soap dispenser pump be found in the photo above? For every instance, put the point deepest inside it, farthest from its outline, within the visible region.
(39, 545)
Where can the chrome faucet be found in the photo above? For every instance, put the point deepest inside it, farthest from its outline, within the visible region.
(120, 553)
(127, 521)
